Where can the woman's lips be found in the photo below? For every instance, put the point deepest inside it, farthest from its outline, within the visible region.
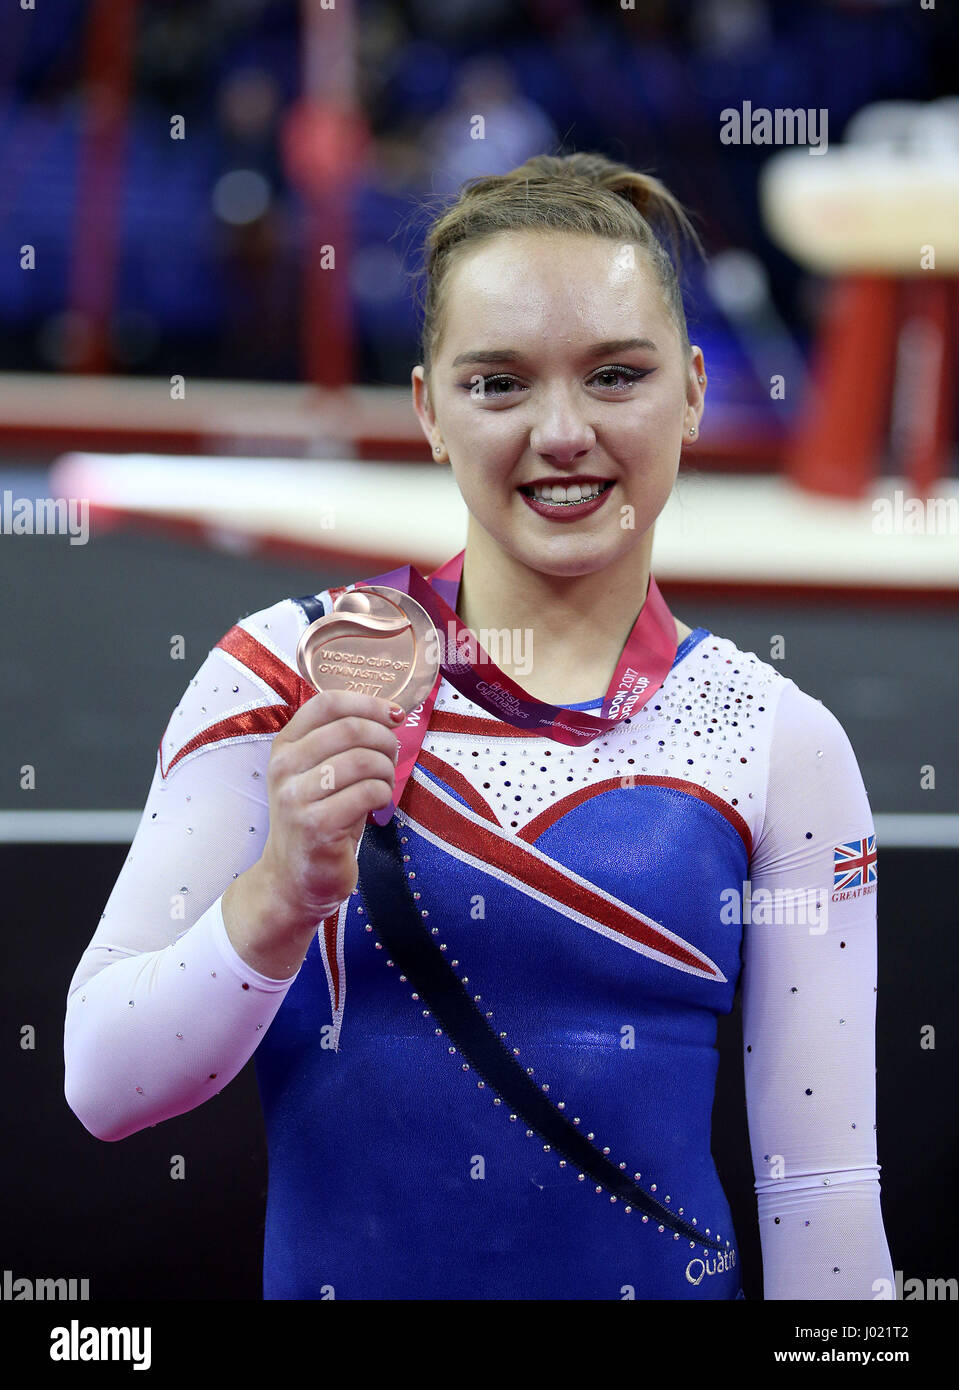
(567, 511)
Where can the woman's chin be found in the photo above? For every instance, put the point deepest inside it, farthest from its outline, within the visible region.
(568, 555)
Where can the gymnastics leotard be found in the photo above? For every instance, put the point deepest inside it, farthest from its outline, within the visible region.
(600, 903)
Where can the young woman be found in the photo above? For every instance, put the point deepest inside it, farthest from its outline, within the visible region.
(597, 901)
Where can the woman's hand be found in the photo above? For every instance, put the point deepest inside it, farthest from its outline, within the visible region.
(333, 763)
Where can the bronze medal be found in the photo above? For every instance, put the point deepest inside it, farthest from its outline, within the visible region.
(376, 641)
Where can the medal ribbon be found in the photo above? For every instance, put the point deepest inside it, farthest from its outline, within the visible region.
(644, 663)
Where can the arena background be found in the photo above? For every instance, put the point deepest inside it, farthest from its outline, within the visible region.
(162, 251)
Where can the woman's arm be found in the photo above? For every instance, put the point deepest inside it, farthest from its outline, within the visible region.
(809, 1010)
(162, 1010)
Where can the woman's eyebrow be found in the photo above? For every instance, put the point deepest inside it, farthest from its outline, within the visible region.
(511, 354)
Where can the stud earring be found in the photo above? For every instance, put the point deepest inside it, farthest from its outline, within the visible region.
(702, 378)
(692, 430)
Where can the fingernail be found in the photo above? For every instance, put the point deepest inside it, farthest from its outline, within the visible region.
(397, 713)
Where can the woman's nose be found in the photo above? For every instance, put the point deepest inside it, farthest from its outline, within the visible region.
(561, 430)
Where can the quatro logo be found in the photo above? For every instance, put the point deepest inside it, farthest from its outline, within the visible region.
(697, 1269)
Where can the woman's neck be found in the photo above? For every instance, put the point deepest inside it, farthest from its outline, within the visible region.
(572, 630)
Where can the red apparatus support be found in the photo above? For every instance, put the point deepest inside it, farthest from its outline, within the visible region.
(108, 67)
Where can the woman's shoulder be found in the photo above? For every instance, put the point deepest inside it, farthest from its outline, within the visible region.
(800, 720)
(752, 683)
(248, 684)
(735, 665)
(280, 624)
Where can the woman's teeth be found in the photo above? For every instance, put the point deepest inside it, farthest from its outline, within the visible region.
(576, 492)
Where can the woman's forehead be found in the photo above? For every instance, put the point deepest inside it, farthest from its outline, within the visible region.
(549, 252)
(595, 289)
(558, 271)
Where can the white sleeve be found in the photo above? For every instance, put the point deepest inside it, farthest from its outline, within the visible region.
(809, 1013)
(162, 1012)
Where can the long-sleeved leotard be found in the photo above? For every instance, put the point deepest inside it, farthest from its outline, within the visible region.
(601, 902)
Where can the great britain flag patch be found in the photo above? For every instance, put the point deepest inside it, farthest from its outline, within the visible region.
(854, 863)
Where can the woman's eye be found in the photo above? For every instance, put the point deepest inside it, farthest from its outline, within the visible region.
(488, 386)
(492, 383)
(628, 374)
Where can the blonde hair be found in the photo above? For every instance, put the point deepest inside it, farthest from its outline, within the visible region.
(583, 193)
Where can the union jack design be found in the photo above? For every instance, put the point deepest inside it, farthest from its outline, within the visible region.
(473, 835)
(854, 863)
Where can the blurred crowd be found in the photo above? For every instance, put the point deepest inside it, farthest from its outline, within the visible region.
(213, 231)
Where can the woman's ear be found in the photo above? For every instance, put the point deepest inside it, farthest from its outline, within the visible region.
(424, 412)
(695, 391)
